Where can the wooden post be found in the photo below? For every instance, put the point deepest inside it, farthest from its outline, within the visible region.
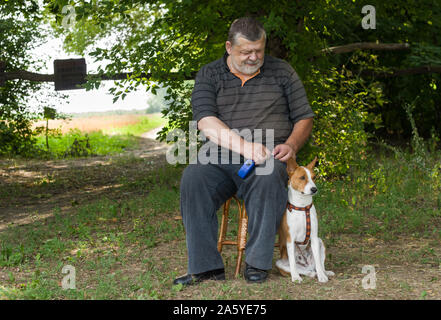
(2, 75)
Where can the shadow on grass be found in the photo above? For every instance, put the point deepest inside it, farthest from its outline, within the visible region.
(126, 243)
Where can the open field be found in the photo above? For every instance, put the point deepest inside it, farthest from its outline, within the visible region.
(105, 123)
(96, 135)
(113, 218)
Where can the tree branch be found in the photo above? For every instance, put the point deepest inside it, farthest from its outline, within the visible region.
(26, 75)
(38, 77)
(31, 76)
(405, 72)
(366, 46)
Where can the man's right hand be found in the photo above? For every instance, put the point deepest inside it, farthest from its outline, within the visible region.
(218, 132)
(256, 152)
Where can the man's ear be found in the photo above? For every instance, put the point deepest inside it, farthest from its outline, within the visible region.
(312, 164)
(228, 46)
(291, 165)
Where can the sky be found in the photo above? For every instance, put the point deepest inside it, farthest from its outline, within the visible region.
(82, 100)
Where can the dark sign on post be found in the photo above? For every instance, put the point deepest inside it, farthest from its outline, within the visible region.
(69, 73)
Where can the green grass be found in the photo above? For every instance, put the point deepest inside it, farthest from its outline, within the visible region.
(102, 142)
(96, 239)
(132, 248)
(389, 195)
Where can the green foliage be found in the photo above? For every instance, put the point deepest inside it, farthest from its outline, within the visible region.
(420, 148)
(417, 143)
(161, 38)
(424, 54)
(79, 148)
(78, 144)
(21, 31)
(15, 136)
(342, 103)
(16, 37)
(167, 36)
(383, 199)
(49, 114)
(11, 256)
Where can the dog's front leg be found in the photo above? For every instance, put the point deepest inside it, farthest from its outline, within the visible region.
(322, 256)
(316, 252)
(295, 276)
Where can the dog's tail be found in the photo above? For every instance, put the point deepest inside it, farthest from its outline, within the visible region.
(283, 252)
(282, 248)
(282, 240)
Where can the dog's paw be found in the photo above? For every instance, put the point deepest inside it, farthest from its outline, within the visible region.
(322, 278)
(296, 278)
(330, 273)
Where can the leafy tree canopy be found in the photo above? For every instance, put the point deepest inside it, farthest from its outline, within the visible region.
(167, 41)
(160, 37)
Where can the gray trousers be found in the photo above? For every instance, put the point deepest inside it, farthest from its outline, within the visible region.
(205, 187)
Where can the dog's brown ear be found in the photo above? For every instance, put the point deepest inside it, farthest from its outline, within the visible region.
(291, 165)
(312, 164)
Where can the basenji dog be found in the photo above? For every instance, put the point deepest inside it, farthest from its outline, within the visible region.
(301, 250)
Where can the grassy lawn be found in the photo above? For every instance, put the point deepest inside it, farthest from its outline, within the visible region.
(128, 244)
(102, 141)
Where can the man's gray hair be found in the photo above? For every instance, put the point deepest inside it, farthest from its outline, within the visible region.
(246, 27)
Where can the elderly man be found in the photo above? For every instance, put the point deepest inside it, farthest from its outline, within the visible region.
(242, 90)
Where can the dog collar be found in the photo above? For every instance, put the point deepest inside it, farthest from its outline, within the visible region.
(290, 207)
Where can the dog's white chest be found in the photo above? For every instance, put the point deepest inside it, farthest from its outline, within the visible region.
(296, 221)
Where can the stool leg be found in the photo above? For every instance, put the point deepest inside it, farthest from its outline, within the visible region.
(224, 225)
(242, 238)
(239, 262)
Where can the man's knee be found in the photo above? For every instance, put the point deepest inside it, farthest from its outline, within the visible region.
(206, 180)
(190, 177)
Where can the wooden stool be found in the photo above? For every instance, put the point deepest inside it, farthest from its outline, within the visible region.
(241, 232)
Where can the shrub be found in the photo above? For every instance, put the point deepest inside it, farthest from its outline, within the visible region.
(341, 101)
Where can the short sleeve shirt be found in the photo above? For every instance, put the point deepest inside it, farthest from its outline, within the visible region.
(273, 99)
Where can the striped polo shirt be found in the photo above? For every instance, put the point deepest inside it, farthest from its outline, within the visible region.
(274, 98)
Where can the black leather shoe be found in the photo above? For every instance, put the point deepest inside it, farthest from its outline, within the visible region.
(189, 279)
(254, 275)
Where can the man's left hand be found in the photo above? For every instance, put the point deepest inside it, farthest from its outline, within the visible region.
(283, 152)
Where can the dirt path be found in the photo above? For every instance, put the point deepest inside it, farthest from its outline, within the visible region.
(31, 189)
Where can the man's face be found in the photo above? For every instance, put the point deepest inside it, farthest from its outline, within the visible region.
(246, 56)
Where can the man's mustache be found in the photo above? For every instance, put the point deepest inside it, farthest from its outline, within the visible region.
(252, 63)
